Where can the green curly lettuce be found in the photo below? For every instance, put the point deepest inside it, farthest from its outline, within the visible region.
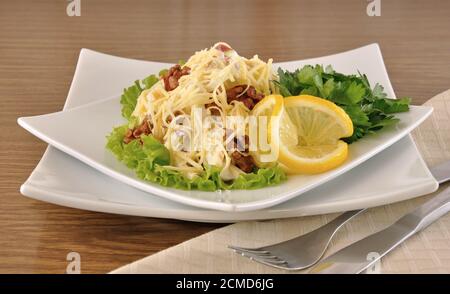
(149, 158)
(131, 94)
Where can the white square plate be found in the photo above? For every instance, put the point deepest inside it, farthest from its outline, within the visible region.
(118, 71)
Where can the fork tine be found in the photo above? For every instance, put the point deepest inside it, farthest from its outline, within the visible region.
(256, 256)
(266, 259)
(249, 250)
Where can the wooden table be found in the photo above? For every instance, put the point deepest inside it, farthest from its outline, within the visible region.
(39, 46)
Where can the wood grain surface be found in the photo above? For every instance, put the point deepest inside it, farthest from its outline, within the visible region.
(39, 46)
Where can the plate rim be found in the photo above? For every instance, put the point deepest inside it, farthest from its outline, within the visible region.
(172, 194)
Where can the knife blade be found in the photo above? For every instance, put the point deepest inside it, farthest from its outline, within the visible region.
(362, 254)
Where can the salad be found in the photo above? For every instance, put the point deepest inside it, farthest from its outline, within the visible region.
(221, 121)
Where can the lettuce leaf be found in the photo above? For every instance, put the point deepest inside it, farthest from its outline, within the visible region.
(149, 158)
(131, 94)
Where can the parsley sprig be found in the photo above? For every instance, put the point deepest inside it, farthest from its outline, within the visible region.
(369, 108)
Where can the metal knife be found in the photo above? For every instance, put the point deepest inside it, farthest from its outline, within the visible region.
(362, 254)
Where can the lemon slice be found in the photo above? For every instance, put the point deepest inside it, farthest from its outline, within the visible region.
(269, 106)
(308, 131)
(266, 111)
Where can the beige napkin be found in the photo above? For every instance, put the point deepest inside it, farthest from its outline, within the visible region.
(425, 252)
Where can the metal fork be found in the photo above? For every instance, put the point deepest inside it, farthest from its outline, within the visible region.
(300, 252)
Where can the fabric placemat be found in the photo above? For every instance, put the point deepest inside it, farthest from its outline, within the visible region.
(425, 252)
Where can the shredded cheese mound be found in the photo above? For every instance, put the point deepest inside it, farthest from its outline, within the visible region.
(212, 72)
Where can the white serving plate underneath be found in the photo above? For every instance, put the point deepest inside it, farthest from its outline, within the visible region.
(63, 180)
